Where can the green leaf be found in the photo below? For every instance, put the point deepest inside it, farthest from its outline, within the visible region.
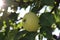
(58, 24)
(37, 8)
(13, 16)
(11, 2)
(46, 19)
(1, 24)
(46, 32)
(11, 35)
(2, 35)
(47, 2)
(29, 36)
(17, 0)
(57, 15)
(25, 1)
(20, 34)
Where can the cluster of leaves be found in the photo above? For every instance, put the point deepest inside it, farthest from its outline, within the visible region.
(46, 20)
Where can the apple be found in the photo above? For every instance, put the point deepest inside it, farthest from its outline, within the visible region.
(30, 22)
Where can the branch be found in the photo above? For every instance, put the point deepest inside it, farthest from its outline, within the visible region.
(55, 7)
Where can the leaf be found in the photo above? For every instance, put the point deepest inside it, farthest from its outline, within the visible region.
(46, 32)
(1, 24)
(11, 35)
(47, 2)
(58, 24)
(19, 25)
(29, 36)
(46, 19)
(1, 35)
(17, 0)
(20, 34)
(37, 6)
(11, 2)
(25, 5)
(13, 16)
(57, 16)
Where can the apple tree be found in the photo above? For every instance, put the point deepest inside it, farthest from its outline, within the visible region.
(34, 23)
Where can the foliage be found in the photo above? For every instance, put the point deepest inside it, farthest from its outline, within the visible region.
(47, 19)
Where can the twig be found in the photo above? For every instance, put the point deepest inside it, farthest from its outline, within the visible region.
(55, 7)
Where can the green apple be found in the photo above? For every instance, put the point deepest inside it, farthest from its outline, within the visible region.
(30, 22)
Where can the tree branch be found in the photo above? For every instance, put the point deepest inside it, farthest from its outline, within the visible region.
(55, 7)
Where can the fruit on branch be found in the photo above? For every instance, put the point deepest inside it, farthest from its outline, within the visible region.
(30, 22)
